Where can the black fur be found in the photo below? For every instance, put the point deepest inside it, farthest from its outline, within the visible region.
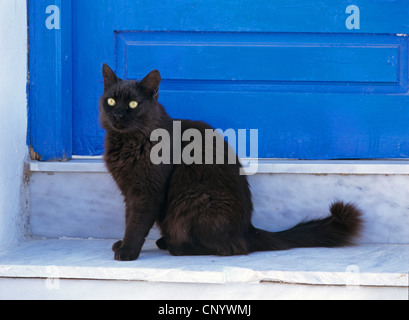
(201, 209)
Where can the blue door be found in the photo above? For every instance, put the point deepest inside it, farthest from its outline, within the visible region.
(319, 79)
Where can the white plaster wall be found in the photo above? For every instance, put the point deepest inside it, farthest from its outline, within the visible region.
(13, 117)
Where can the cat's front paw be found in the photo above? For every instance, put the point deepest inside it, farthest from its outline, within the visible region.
(126, 254)
(117, 245)
(161, 244)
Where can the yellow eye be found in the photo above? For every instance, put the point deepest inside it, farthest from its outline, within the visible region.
(111, 102)
(133, 104)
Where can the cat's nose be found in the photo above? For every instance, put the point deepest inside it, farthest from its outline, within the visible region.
(118, 117)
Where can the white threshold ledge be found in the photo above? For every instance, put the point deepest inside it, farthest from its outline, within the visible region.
(364, 265)
(264, 166)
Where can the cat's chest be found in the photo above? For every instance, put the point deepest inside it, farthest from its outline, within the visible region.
(127, 156)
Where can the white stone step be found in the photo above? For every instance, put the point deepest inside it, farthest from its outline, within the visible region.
(78, 199)
(69, 268)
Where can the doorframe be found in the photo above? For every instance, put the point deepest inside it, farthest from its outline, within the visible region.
(50, 80)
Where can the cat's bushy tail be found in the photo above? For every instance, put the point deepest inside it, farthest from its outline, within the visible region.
(339, 229)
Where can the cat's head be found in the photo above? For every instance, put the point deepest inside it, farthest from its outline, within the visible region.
(128, 105)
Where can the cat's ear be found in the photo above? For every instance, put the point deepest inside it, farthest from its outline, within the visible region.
(110, 77)
(150, 84)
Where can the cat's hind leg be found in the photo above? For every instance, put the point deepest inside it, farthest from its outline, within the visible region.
(233, 247)
(189, 250)
(220, 235)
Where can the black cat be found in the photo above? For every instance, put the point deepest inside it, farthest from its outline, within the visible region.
(201, 209)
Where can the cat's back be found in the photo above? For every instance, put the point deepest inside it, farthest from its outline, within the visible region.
(195, 124)
(200, 191)
(218, 167)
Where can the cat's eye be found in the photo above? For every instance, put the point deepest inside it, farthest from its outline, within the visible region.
(111, 102)
(133, 104)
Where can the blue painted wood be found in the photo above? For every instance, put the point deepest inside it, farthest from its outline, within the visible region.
(294, 16)
(289, 68)
(267, 58)
(50, 81)
(331, 126)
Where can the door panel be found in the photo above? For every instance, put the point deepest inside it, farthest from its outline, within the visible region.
(268, 58)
